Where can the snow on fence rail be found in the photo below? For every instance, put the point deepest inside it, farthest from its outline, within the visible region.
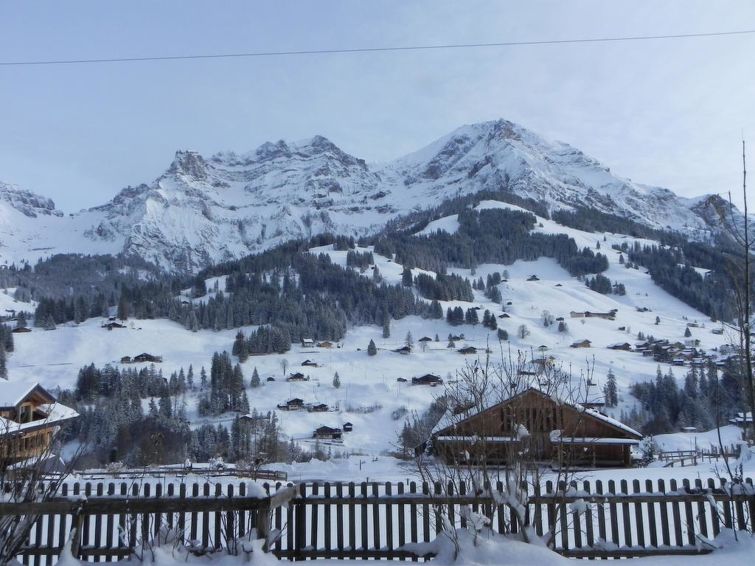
(376, 520)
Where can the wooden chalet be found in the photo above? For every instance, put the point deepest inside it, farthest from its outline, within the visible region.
(292, 405)
(554, 431)
(406, 350)
(742, 420)
(533, 278)
(467, 350)
(348, 427)
(626, 346)
(29, 418)
(298, 376)
(425, 339)
(327, 433)
(318, 408)
(325, 344)
(145, 357)
(126, 360)
(307, 343)
(309, 363)
(427, 379)
(581, 344)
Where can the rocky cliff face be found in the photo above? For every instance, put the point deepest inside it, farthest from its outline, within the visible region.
(203, 210)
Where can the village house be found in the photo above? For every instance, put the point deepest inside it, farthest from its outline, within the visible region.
(295, 404)
(467, 350)
(145, 357)
(348, 427)
(425, 339)
(327, 433)
(126, 360)
(547, 428)
(406, 350)
(309, 363)
(427, 379)
(742, 419)
(325, 344)
(298, 376)
(318, 408)
(626, 346)
(307, 343)
(581, 344)
(29, 419)
(610, 315)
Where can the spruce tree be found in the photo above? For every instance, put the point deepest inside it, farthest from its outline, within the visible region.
(371, 348)
(610, 391)
(336, 381)
(255, 381)
(3, 365)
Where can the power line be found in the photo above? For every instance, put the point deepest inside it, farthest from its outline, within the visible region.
(385, 49)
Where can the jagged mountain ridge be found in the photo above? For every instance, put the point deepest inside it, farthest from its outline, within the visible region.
(204, 210)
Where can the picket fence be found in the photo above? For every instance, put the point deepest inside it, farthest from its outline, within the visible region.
(375, 520)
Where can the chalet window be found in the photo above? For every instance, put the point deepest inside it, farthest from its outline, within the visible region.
(25, 415)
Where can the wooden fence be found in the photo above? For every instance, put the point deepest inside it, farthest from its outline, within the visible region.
(375, 520)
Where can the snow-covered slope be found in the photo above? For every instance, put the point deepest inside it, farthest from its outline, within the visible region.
(204, 210)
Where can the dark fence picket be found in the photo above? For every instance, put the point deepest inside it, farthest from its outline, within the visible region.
(626, 519)
(677, 514)
(689, 518)
(589, 533)
(401, 517)
(389, 516)
(665, 533)
(638, 517)
(327, 530)
(651, 516)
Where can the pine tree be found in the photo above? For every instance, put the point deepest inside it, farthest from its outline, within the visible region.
(687, 332)
(406, 277)
(610, 391)
(49, 323)
(371, 348)
(255, 381)
(336, 381)
(3, 365)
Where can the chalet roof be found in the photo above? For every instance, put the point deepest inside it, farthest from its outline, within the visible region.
(449, 419)
(327, 429)
(56, 414)
(14, 392)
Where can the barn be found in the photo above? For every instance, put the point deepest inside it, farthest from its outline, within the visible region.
(547, 428)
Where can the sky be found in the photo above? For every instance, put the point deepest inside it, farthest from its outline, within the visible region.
(664, 112)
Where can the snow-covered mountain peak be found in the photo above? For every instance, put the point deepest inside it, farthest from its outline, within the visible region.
(26, 202)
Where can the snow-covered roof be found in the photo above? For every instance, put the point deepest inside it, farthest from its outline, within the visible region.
(14, 392)
(449, 418)
(56, 414)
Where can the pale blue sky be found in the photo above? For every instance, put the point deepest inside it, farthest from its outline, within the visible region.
(661, 112)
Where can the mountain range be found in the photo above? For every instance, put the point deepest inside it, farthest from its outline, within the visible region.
(207, 209)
